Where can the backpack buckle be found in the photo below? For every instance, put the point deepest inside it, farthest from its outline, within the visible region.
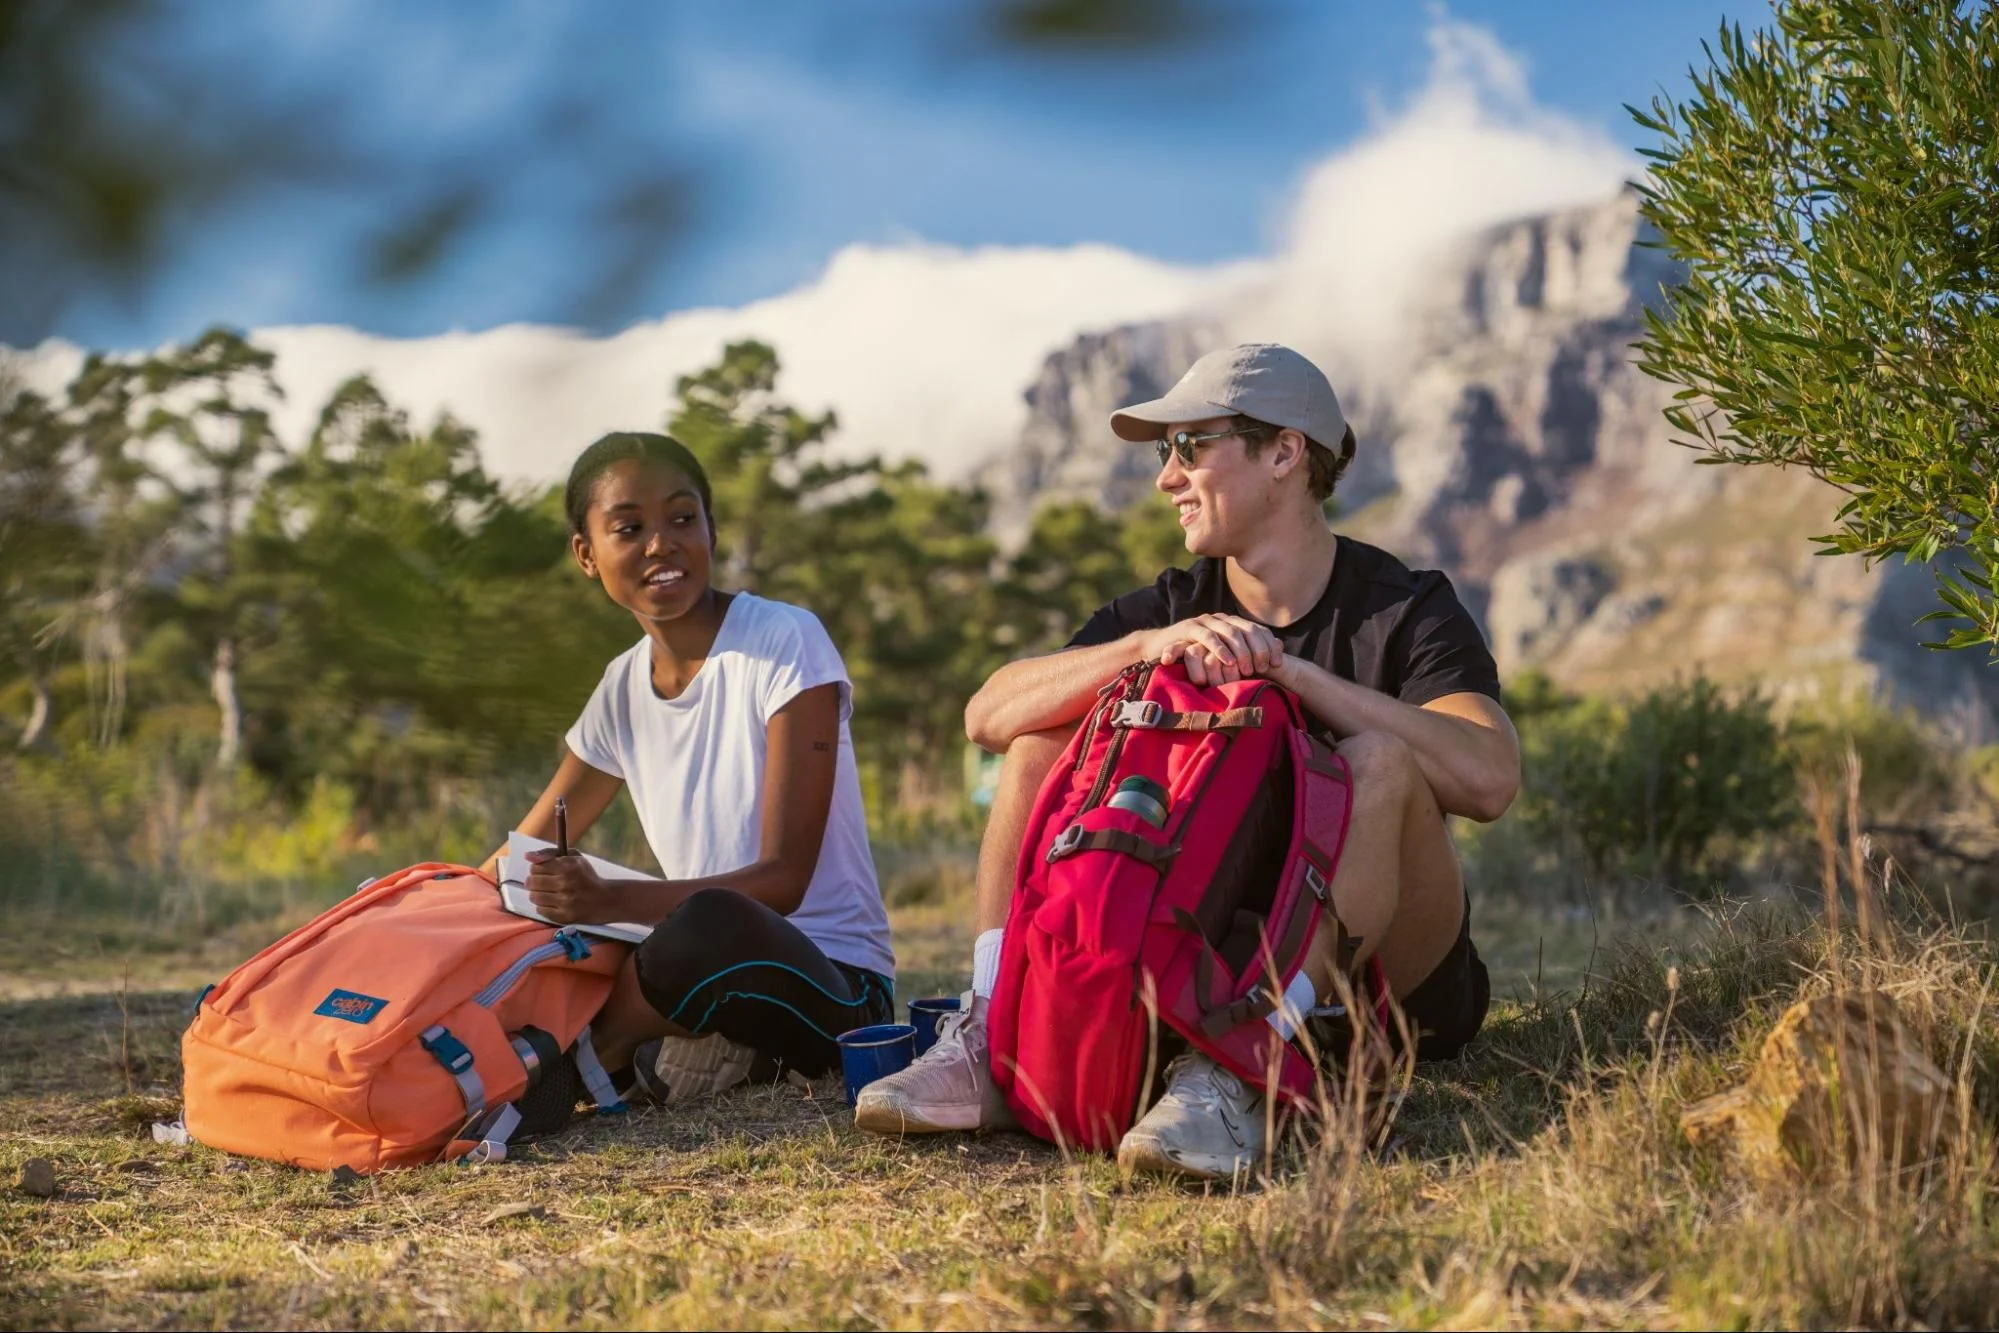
(447, 1050)
(1315, 882)
(1140, 713)
(1067, 842)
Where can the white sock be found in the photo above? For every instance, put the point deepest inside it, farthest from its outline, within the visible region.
(985, 962)
(1299, 1000)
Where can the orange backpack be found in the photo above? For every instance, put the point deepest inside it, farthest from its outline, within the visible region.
(396, 1028)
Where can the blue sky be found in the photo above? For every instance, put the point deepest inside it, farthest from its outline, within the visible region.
(747, 143)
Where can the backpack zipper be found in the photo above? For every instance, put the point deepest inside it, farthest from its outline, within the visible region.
(1096, 716)
(1186, 813)
(497, 988)
(1140, 675)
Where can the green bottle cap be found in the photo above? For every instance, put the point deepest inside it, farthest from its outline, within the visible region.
(1138, 782)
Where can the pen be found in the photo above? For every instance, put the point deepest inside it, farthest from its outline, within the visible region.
(561, 826)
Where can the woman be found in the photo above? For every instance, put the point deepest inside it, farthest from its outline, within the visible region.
(728, 721)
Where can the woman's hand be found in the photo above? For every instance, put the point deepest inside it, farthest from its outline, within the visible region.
(565, 889)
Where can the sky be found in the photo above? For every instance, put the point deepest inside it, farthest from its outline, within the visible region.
(780, 132)
(914, 213)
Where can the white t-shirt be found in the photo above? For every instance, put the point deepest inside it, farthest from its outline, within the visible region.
(695, 766)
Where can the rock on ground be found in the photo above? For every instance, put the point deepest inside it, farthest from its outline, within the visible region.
(38, 1178)
(1840, 1079)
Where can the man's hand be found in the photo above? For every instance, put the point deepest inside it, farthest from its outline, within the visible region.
(1217, 649)
(566, 889)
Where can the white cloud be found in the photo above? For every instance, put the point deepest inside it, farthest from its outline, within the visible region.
(1471, 150)
(924, 350)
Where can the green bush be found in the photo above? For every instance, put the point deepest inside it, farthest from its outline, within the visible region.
(1672, 785)
(1984, 764)
(1906, 769)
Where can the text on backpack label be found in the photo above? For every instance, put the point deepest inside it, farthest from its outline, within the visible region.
(351, 1005)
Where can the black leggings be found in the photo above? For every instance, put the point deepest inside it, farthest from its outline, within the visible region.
(726, 963)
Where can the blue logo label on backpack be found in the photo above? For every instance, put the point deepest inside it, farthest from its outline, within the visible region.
(352, 1006)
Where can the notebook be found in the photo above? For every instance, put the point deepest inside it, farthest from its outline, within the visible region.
(514, 894)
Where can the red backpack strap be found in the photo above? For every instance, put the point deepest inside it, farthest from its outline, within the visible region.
(1077, 839)
(1227, 1006)
(1324, 806)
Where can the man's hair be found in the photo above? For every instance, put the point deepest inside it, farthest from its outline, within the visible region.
(624, 446)
(1323, 468)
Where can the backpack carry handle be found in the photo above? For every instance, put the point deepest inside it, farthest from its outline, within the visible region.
(1149, 715)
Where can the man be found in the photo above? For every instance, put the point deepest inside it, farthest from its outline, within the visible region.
(1384, 658)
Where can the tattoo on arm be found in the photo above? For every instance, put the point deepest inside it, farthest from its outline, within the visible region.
(822, 746)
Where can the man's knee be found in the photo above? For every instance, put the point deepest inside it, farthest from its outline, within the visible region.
(1379, 757)
(1034, 753)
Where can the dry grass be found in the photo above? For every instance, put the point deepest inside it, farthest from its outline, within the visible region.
(1539, 1182)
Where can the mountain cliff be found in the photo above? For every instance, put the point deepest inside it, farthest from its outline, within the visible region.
(1507, 438)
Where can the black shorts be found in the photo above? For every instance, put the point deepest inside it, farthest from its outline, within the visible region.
(1448, 1007)
(726, 963)
(1445, 1011)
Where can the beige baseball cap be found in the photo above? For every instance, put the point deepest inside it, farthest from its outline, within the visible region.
(1267, 381)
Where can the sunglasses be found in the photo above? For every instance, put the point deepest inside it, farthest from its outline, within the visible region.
(1182, 443)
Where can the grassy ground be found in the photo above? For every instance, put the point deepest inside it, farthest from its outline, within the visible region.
(1540, 1181)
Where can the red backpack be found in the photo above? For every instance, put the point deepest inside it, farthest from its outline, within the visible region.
(1125, 904)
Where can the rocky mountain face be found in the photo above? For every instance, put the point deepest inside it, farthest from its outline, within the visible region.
(1066, 450)
(1513, 444)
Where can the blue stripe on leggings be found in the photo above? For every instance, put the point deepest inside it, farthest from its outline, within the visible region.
(707, 1013)
(674, 1017)
(768, 999)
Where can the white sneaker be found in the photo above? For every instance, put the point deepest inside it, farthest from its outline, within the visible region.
(684, 1068)
(1208, 1125)
(949, 1086)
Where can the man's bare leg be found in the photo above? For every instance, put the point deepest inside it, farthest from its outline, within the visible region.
(1399, 890)
(950, 1086)
(1026, 766)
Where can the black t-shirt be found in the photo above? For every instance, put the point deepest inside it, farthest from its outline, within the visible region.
(1379, 623)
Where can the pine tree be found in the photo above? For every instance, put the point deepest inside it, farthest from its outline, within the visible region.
(212, 400)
